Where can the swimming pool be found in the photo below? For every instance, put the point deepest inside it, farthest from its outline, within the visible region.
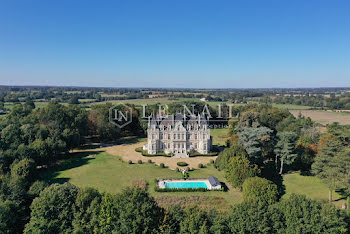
(186, 184)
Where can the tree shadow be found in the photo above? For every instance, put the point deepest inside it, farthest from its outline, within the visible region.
(69, 161)
(224, 186)
(269, 172)
(94, 144)
(343, 192)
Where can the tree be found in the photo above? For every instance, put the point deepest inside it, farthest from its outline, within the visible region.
(52, 211)
(238, 170)
(249, 217)
(194, 221)
(329, 164)
(260, 190)
(298, 214)
(132, 211)
(9, 217)
(248, 119)
(87, 203)
(23, 170)
(225, 156)
(285, 149)
(74, 100)
(257, 142)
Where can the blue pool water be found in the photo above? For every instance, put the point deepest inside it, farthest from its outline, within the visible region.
(186, 184)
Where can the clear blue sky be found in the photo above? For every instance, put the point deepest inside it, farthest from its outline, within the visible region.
(181, 43)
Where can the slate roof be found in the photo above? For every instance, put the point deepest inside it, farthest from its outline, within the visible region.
(213, 181)
(171, 119)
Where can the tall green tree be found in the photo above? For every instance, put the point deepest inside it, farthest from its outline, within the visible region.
(285, 149)
(238, 170)
(298, 214)
(257, 142)
(260, 190)
(225, 156)
(52, 211)
(331, 163)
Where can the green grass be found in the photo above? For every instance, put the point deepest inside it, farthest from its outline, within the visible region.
(109, 173)
(291, 107)
(219, 135)
(310, 186)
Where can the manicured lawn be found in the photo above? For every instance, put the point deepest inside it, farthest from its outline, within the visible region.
(219, 135)
(109, 173)
(310, 186)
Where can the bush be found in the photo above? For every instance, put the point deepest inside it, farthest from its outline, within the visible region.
(180, 190)
(149, 161)
(182, 164)
(212, 161)
(196, 154)
(139, 149)
(188, 169)
(261, 190)
(146, 154)
(139, 161)
(238, 170)
(177, 169)
(200, 165)
(162, 165)
(130, 162)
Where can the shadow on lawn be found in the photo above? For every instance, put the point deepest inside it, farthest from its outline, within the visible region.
(343, 193)
(269, 172)
(94, 143)
(70, 161)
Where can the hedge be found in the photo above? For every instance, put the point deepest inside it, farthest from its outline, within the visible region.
(180, 189)
(146, 154)
(181, 164)
(196, 154)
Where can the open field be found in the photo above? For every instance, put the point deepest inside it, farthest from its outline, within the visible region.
(309, 186)
(291, 107)
(109, 173)
(324, 117)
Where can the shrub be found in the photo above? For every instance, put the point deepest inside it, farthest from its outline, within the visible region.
(130, 162)
(188, 169)
(261, 190)
(196, 154)
(162, 165)
(200, 165)
(182, 164)
(146, 154)
(239, 169)
(211, 161)
(149, 161)
(139, 161)
(180, 189)
(177, 169)
(139, 149)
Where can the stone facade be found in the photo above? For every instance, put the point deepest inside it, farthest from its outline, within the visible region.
(179, 135)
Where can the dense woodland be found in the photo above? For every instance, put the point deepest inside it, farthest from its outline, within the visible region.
(264, 143)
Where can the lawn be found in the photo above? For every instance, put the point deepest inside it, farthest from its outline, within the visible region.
(219, 135)
(109, 173)
(310, 186)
